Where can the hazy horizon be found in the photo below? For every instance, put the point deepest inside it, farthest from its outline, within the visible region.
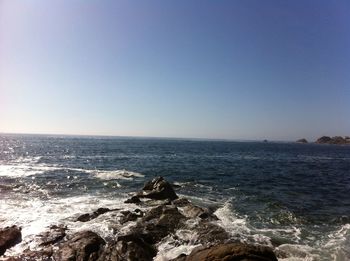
(233, 70)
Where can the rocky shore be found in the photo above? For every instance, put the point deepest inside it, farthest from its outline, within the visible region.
(158, 213)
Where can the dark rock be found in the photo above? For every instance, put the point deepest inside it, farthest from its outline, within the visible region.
(95, 214)
(129, 247)
(158, 223)
(324, 139)
(302, 141)
(130, 216)
(82, 246)
(158, 189)
(210, 233)
(181, 202)
(133, 199)
(193, 211)
(44, 254)
(338, 140)
(54, 235)
(9, 236)
(234, 251)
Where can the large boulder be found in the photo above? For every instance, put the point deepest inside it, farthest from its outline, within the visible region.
(83, 246)
(159, 189)
(233, 251)
(210, 233)
(9, 236)
(158, 223)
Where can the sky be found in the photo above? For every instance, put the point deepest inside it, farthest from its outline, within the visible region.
(237, 69)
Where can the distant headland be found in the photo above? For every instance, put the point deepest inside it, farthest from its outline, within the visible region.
(337, 140)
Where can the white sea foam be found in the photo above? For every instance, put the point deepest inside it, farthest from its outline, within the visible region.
(116, 174)
(171, 247)
(34, 216)
(25, 170)
(230, 220)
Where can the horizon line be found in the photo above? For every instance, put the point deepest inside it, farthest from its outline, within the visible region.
(143, 137)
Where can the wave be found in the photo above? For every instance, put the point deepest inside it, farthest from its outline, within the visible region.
(27, 170)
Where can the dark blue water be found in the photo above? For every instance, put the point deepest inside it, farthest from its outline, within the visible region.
(269, 185)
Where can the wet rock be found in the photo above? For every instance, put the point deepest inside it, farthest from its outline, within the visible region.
(133, 199)
(181, 202)
(82, 246)
(44, 254)
(193, 211)
(129, 247)
(234, 251)
(9, 236)
(158, 189)
(210, 233)
(54, 235)
(158, 223)
(95, 214)
(130, 216)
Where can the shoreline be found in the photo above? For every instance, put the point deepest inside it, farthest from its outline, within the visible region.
(158, 214)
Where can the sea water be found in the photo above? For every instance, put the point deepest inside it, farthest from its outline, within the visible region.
(292, 197)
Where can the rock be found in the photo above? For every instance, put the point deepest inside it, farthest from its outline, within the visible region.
(54, 235)
(302, 141)
(181, 202)
(233, 251)
(82, 246)
(158, 223)
(95, 214)
(210, 233)
(338, 140)
(158, 189)
(129, 247)
(130, 216)
(323, 139)
(133, 199)
(9, 236)
(193, 211)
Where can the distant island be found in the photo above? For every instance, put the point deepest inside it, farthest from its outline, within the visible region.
(302, 141)
(337, 140)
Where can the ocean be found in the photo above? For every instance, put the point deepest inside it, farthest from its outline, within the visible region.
(292, 197)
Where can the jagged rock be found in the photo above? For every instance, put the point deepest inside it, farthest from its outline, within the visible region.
(233, 251)
(302, 141)
(210, 233)
(133, 199)
(323, 139)
(338, 140)
(54, 235)
(95, 214)
(193, 211)
(9, 236)
(82, 246)
(129, 247)
(158, 189)
(158, 223)
(130, 216)
(181, 202)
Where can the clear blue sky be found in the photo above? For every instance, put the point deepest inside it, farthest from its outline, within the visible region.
(209, 69)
